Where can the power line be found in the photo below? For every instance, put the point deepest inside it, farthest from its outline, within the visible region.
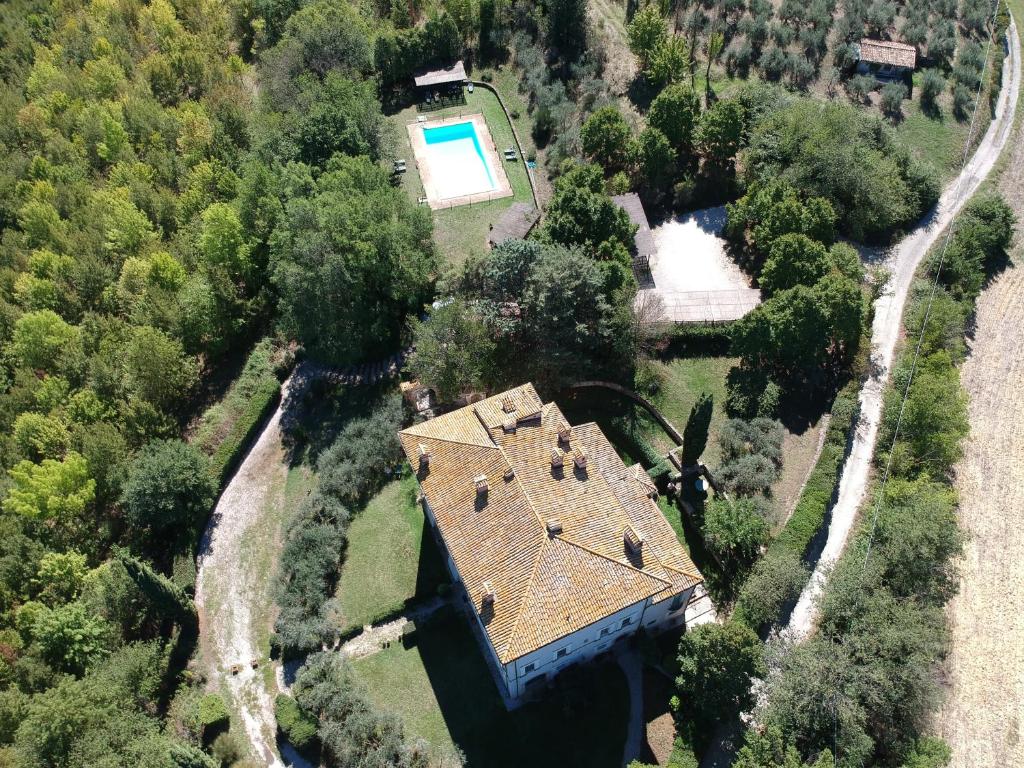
(931, 296)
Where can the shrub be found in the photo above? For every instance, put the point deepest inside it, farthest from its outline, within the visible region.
(963, 101)
(760, 436)
(932, 84)
(213, 712)
(297, 726)
(735, 530)
(748, 475)
(775, 581)
(860, 86)
(893, 95)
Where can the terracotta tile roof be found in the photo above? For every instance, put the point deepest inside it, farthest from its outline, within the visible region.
(547, 540)
(888, 52)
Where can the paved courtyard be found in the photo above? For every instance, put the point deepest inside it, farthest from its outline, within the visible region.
(693, 274)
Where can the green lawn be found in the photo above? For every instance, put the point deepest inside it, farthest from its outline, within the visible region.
(462, 231)
(684, 380)
(388, 560)
(441, 688)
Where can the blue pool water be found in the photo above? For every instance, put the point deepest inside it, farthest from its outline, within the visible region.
(459, 165)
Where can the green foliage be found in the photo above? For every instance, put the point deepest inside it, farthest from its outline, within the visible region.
(647, 32)
(226, 428)
(156, 367)
(735, 530)
(350, 730)
(452, 350)
(670, 62)
(793, 260)
(60, 577)
(655, 160)
(928, 752)
(771, 749)
(676, 113)
(168, 492)
(850, 159)
(717, 664)
(298, 727)
(43, 340)
(213, 712)
(773, 209)
(353, 242)
(57, 491)
(582, 214)
(720, 132)
(69, 638)
(605, 136)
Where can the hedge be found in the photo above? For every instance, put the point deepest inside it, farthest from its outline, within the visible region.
(699, 338)
(226, 429)
(637, 446)
(756, 598)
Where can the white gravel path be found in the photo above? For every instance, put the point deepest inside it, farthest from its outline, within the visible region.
(235, 568)
(902, 262)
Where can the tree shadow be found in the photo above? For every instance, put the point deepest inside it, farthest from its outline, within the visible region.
(641, 92)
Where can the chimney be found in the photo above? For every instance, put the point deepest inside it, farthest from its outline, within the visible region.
(564, 431)
(489, 595)
(634, 542)
(424, 454)
(579, 456)
(554, 526)
(508, 405)
(557, 458)
(480, 481)
(509, 474)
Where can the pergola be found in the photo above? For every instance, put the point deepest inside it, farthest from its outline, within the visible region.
(454, 74)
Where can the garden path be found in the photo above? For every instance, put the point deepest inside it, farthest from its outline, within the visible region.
(376, 638)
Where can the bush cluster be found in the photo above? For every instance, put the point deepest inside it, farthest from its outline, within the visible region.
(364, 454)
(779, 576)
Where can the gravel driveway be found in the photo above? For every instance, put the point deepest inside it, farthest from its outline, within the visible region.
(902, 263)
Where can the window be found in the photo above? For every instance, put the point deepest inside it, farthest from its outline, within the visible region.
(677, 603)
(561, 653)
(626, 622)
(605, 631)
(529, 668)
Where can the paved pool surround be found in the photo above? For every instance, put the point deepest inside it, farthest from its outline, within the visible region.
(458, 165)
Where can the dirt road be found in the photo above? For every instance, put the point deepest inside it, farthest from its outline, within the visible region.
(902, 262)
(982, 718)
(237, 558)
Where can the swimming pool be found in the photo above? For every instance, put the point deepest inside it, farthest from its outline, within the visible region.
(457, 162)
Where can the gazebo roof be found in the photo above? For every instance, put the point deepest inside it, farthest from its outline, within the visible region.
(644, 238)
(456, 73)
(515, 223)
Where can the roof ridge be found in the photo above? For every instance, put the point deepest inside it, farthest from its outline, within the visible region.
(505, 658)
(613, 560)
(492, 445)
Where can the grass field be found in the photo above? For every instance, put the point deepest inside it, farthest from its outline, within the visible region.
(462, 231)
(441, 688)
(388, 561)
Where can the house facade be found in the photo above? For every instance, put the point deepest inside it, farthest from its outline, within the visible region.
(558, 546)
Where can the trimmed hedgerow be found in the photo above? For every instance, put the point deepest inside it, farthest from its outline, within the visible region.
(777, 578)
(227, 428)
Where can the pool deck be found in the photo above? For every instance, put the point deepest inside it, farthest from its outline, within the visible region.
(419, 150)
